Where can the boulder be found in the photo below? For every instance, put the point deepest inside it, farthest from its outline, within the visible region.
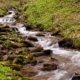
(67, 42)
(32, 38)
(47, 52)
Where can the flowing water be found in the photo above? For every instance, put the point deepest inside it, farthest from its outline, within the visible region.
(67, 67)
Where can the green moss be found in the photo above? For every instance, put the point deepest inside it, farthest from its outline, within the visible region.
(1, 12)
(5, 72)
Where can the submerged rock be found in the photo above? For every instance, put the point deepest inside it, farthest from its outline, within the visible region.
(28, 73)
(49, 67)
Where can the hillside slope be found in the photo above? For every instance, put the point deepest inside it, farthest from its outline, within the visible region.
(57, 16)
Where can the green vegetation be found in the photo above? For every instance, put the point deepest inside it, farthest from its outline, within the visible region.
(5, 73)
(55, 15)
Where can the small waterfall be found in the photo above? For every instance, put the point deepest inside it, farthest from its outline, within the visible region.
(8, 19)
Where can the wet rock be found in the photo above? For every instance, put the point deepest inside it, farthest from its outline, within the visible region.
(34, 49)
(28, 72)
(32, 38)
(47, 52)
(10, 57)
(43, 53)
(4, 52)
(53, 59)
(40, 34)
(37, 54)
(27, 43)
(19, 59)
(14, 66)
(49, 67)
(77, 77)
(30, 60)
(33, 62)
(28, 27)
(67, 42)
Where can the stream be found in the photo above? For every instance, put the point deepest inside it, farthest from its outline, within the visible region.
(68, 60)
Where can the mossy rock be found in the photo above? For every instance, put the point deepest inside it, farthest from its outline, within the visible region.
(4, 62)
(1, 42)
(19, 59)
(27, 43)
(5, 29)
(29, 59)
(68, 43)
(3, 33)
(14, 66)
(15, 44)
(17, 73)
(35, 49)
(33, 62)
(11, 44)
(25, 78)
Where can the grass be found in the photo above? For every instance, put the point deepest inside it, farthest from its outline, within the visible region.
(42, 12)
(52, 14)
(5, 73)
